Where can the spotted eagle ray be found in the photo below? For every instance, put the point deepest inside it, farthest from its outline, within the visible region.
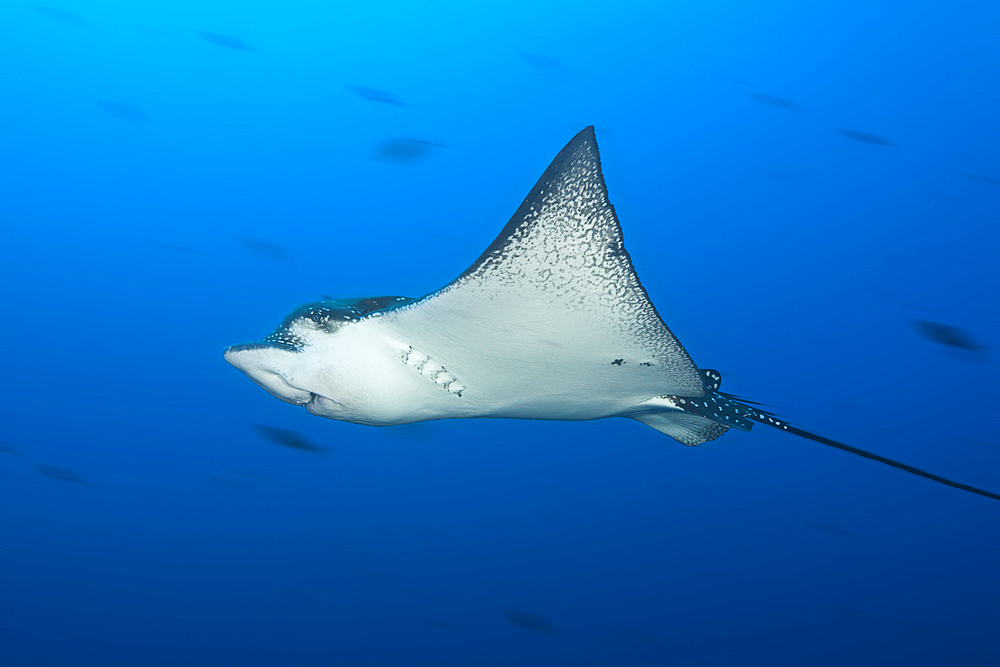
(551, 322)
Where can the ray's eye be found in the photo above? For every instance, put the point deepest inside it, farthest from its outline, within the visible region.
(318, 315)
(324, 318)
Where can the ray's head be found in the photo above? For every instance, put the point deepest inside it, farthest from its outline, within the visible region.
(291, 361)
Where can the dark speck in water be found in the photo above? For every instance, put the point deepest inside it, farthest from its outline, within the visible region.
(528, 621)
(865, 136)
(776, 102)
(948, 335)
(61, 474)
(224, 41)
(265, 250)
(122, 110)
(287, 438)
(375, 95)
(403, 151)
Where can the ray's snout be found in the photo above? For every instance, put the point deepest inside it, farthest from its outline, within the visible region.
(268, 365)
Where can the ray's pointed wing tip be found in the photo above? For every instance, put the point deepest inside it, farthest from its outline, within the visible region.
(585, 136)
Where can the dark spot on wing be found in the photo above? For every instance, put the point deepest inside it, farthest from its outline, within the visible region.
(61, 474)
(547, 65)
(438, 624)
(864, 136)
(403, 151)
(224, 41)
(946, 334)
(981, 179)
(171, 246)
(829, 528)
(374, 95)
(265, 250)
(287, 438)
(523, 619)
(59, 15)
(618, 362)
(776, 102)
(122, 110)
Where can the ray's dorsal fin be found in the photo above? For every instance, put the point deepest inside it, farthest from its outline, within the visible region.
(557, 288)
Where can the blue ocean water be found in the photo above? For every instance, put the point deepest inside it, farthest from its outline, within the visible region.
(810, 195)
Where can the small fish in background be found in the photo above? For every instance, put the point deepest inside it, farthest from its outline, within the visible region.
(864, 136)
(948, 335)
(61, 474)
(122, 110)
(287, 438)
(547, 65)
(528, 621)
(828, 528)
(171, 246)
(776, 102)
(7, 448)
(403, 151)
(266, 250)
(59, 15)
(375, 95)
(981, 179)
(224, 41)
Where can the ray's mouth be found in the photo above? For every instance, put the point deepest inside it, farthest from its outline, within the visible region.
(262, 363)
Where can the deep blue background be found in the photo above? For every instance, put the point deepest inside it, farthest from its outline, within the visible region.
(139, 154)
